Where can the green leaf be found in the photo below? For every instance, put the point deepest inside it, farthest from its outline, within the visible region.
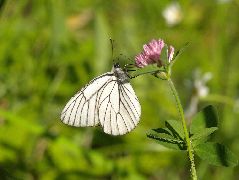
(176, 128)
(216, 154)
(202, 135)
(206, 118)
(171, 137)
(168, 141)
(162, 130)
(164, 55)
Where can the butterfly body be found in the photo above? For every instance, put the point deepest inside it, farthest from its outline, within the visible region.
(121, 75)
(108, 100)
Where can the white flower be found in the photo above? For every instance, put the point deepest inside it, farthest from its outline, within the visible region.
(173, 14)
(200, 83)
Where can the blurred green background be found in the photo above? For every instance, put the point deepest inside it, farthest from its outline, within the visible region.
(50, 49)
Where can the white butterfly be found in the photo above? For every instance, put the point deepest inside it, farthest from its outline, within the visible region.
(108, 100)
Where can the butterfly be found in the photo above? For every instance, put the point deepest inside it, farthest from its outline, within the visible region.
(108, 100)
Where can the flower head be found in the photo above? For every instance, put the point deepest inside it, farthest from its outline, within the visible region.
(153, 50)
(151, 54)
(141, 60)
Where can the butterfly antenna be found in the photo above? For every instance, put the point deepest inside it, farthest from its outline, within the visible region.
(112, 50)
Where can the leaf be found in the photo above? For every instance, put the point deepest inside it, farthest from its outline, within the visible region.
(162, 130)
(176, 128)
(168, 141)
(202, 135)
(216, 154)
(164, 54)
(171, 137)
(206, 118)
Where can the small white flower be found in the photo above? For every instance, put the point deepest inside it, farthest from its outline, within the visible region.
(200, 83)
(202, 90)
(173, 14)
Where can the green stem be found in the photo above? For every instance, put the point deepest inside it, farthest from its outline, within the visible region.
(188, 142)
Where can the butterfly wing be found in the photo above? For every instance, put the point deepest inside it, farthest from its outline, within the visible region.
(105, 101)
(119, 108)
(82, 108)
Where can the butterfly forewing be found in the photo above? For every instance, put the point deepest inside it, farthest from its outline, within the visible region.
(106, 100)
(82, 109)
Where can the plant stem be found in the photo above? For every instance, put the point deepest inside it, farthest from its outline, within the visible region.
(188, 142)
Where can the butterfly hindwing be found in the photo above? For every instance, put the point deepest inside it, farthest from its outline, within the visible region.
(119, 109)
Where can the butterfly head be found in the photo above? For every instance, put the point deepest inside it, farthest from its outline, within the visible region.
(116, 65)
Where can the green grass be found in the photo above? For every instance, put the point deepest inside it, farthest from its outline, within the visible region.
(50, 49)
